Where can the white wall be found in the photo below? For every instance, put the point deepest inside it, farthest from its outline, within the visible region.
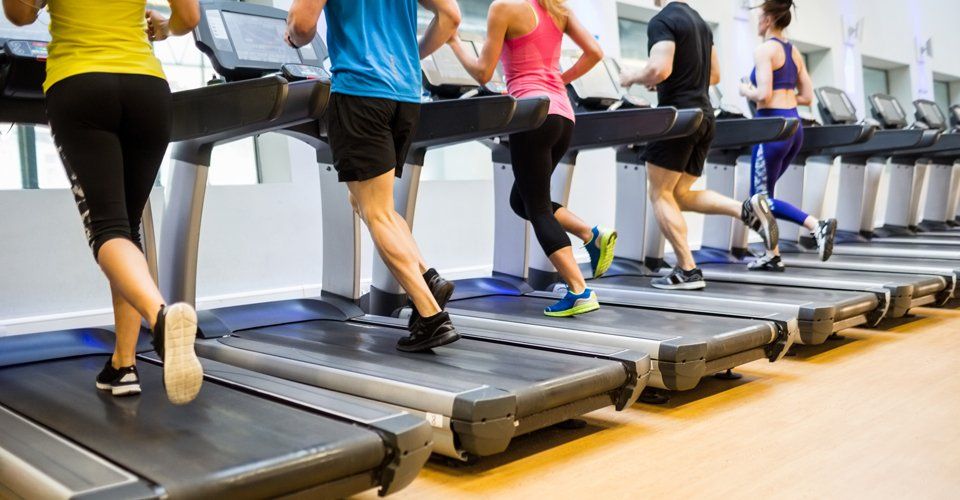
(265, 241)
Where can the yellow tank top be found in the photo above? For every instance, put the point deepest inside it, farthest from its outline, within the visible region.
(98, 36)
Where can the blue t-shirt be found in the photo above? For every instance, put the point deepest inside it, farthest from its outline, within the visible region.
(373, 48)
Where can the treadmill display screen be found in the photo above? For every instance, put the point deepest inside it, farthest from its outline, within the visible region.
(444, 68)
(839, 106)
(889, 109)
(931, 115)
(596, 84)
(260, 39)
(35, 32)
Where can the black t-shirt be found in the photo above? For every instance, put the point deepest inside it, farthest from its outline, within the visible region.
(689, 84)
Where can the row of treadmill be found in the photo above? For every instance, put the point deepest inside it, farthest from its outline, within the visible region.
(310, 396)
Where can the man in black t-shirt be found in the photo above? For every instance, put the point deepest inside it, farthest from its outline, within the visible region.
(683, 64)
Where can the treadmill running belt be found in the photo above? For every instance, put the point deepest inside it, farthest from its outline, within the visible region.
(224, 443)
(722, 336)
(843, 304)
(540, 380)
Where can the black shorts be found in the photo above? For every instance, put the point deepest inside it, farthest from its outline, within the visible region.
(369, 136)
(685, 154)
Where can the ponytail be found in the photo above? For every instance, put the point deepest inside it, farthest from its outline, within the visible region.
(779, 11)
(557, 9)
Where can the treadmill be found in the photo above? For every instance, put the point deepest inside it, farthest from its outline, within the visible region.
(61, 438)
(860, 169)
(943, 196)
(476, 395)
(860, 179)
(683, 347)
(920, 180)
(819, 313)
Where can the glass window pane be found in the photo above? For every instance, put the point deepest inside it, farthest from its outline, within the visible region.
(9, 157)
(875, 81)
(633, 39)
(473, 12)
(50, 172)
(941, 92)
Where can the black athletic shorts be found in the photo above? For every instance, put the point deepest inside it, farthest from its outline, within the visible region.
(369, 136)
(685, 154)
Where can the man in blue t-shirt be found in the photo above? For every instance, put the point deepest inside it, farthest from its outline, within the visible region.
(373, 115)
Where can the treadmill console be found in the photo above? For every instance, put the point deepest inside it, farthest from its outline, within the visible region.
(722, 110)
(929, 113)
(246, 41)
(444, 76)
(596, 89)
(835, 105)
(887, 110)
(23, 57)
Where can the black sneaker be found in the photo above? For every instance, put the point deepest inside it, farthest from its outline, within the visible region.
(825, 235)
(173, 338)
(430, 332)
(768, 262)
(678, 279)
(119, 381)
(441, 289)
(757, 215)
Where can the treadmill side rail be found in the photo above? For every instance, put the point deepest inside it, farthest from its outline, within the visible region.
(36, 463)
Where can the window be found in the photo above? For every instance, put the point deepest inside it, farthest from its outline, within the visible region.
(941, 92)
(633, 50)
(29, 158)
(473, 14)
(469, 161)
(875, 81)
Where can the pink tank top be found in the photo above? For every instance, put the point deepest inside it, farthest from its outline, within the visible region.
(531, 64)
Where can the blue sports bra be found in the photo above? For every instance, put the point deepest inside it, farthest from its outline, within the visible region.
(788, 76)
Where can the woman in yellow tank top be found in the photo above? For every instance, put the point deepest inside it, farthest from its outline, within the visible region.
(109, 110)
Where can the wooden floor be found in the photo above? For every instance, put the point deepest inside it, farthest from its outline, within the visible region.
(874, 416)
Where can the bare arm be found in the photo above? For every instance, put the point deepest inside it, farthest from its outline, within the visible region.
(714, 66)
(805, 83)
(446, 20)
(592, 53)
(763, 57)
(184, 16)
(22, 12)
(658, 68)
(482, 69)
(302, 21)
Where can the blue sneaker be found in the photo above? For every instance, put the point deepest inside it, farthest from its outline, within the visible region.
(572, 305)
(601, 248)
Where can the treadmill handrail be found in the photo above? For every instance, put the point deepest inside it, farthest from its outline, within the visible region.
(738, 133)
(945, 143)
(454, 121)
(23, 111)
(882, 141)
(832, 136)
(262, 100)
(530, 113)
(602, 129)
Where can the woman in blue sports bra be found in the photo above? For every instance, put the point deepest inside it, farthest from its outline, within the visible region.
(778, 85)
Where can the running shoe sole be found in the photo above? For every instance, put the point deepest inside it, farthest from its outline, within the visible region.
(573, 311)
(768, 269)
(769, 230)
(693, 285)
(182, 372)
(826, 250)
(431, 343)
(119, 391)
(608, 244)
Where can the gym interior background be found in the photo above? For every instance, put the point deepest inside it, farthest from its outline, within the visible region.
(261, 236)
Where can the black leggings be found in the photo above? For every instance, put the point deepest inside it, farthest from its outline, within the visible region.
(112, 131)
(535, 155)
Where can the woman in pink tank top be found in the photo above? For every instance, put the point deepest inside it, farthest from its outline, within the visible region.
(526, 35)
